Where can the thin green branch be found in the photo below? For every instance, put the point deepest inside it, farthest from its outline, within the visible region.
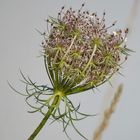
(42, 123)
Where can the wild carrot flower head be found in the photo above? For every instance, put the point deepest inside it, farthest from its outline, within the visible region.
(80, 51)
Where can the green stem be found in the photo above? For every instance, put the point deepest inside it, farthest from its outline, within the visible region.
(42, 123)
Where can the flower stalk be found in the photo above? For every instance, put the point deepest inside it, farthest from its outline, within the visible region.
(44, 120)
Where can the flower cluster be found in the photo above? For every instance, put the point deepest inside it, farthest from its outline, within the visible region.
(81, 52)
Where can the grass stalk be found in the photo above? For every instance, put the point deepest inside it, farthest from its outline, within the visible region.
(107, 114)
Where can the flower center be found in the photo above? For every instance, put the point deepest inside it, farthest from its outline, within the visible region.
(59, 93)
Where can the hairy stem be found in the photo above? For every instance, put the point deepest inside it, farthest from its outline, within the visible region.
(44, 120)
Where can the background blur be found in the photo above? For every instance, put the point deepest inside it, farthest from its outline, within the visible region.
(20, 48)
